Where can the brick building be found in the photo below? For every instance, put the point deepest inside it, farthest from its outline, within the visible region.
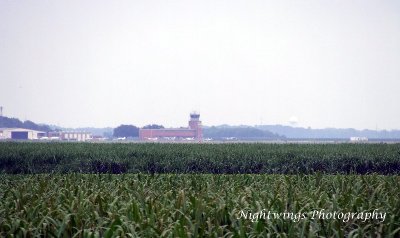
(194, 131)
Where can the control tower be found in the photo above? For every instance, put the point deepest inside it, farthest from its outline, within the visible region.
(195, 124)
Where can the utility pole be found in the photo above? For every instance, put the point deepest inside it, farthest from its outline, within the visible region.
(1, 111)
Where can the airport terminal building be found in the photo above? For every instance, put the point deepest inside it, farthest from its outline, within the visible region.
(193, 132)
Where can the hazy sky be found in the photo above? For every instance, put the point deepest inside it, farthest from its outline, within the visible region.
(104, 63)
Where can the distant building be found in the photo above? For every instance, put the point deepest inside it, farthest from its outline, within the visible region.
(193, 132)
(21, 134)
(358, 139)
(75, 135)
(70, 135)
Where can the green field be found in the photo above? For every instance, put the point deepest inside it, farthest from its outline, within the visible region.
(194, 205)
(199, 158)
(199, 190)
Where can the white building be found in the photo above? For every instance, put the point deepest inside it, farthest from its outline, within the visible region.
(358, 139)
(20, 134)
(75, 135)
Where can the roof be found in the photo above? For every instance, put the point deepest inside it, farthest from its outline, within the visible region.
(74, 132)
(168, 129)
(20, 129)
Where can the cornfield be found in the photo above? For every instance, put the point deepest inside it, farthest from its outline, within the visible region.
(198, 190)
(28, 158)
(193, 205)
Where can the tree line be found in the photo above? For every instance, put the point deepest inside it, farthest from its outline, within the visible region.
(6, 122)
(209, 132)
(131, 130)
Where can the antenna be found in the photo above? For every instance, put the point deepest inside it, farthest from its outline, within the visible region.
(1, 111)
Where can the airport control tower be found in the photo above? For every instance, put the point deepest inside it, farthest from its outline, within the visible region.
(195, 124)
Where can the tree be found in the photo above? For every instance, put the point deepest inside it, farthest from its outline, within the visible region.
(14, 122)
(153, 126)
(239, 132)
(126, 131)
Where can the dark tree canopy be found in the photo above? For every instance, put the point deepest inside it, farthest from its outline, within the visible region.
(14, 122)
(126, 131)
(153, 126)
(239, 132)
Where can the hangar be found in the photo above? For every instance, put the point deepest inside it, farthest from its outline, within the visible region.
(20, 134)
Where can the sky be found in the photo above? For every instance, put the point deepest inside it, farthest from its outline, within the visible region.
(104, 63)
